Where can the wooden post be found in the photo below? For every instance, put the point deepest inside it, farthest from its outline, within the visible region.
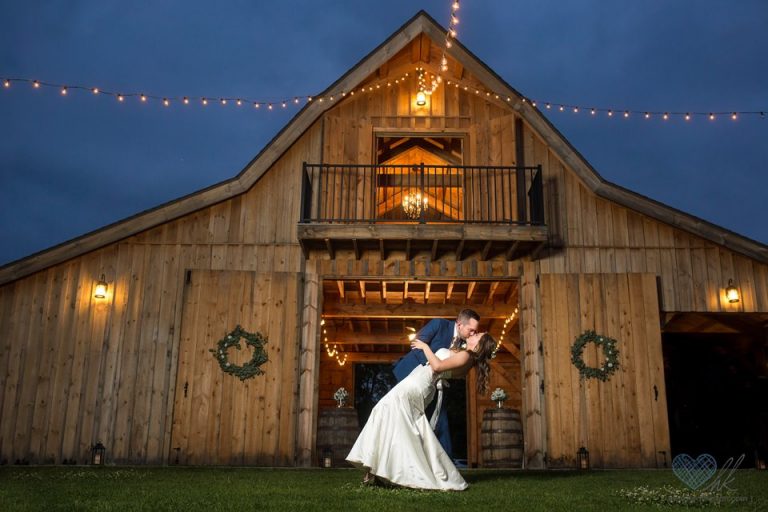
(309, 366)
(534, 417)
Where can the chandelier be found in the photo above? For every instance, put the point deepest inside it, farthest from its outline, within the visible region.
(414, 204)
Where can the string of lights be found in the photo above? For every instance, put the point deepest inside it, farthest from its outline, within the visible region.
(507, 321)
(422, 79)
(334, 352)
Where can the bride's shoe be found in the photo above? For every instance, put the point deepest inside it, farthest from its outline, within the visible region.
(369, 478)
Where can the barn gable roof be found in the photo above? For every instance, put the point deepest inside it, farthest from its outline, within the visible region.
(420, 23)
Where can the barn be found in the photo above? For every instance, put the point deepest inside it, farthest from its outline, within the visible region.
(375, 209)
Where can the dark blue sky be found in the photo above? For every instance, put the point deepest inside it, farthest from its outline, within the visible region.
(71, 165)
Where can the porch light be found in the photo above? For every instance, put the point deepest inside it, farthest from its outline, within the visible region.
(582, 459)
(421, 98)
(101, 288)
(414, 204)
(731, 292)
(327, 458)
(97, 454)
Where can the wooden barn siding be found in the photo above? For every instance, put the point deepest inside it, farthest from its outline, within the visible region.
(593, 235)
(622, 422)
(75, 370)
(217, 418)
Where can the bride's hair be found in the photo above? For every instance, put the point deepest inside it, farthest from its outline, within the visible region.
(485, 348)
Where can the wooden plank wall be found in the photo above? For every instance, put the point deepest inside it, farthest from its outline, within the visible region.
(593, 235)
(623, 421)
(75, 370)
(217, 418)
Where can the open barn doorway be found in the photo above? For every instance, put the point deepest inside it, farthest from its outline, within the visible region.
(365, 328)
(716, 372)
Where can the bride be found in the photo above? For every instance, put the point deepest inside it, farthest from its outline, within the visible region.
(397, 444)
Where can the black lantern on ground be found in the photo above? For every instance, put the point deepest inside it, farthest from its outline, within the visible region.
(327, 458)
(582, 459)
(97, 454)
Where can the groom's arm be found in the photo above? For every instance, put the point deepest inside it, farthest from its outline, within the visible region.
(426, 334)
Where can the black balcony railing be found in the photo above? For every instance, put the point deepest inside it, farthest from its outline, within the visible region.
(421, 193)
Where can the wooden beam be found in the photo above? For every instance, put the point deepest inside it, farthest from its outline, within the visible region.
(512, 348)
(408, 249)
(426, 291)
(434, 249)
(411, 310)
(459, 250)
(362, 289)
(405, 291)
(356, 248)
(382, 254)
(444, 232)
(351, 338)
(486, 250)
(537, 251)
(471, 289)
(512, 250)
(329, 248)
(513, 290)
(434, 142)
(449, 291)
(387, 357)
(372, 357)
(491, 291)
(340, 284)
(384, 292)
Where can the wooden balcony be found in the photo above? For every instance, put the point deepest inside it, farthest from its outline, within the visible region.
(468, 211)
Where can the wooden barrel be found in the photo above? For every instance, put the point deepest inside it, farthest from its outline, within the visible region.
(337, 431)
(501, 438)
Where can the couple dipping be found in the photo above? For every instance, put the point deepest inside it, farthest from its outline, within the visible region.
(397, 445)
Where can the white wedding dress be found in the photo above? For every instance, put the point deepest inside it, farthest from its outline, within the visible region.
(397, 443)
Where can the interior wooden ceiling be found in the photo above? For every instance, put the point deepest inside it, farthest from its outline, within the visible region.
(715, 323)
(376, 316)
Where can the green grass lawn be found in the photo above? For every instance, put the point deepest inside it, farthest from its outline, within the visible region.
(207, 488)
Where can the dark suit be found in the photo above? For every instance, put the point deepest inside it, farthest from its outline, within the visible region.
(438, 333)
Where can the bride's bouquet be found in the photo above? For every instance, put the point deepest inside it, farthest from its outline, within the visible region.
(341, 396)
(498, 396)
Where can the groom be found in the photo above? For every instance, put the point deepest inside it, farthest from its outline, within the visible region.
(438, 333)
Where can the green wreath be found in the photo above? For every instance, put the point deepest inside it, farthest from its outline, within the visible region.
(252, 367)
(609, 366)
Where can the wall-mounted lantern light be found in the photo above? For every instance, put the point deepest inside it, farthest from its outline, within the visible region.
(731, 292)
(101, 288)
(421, 98)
